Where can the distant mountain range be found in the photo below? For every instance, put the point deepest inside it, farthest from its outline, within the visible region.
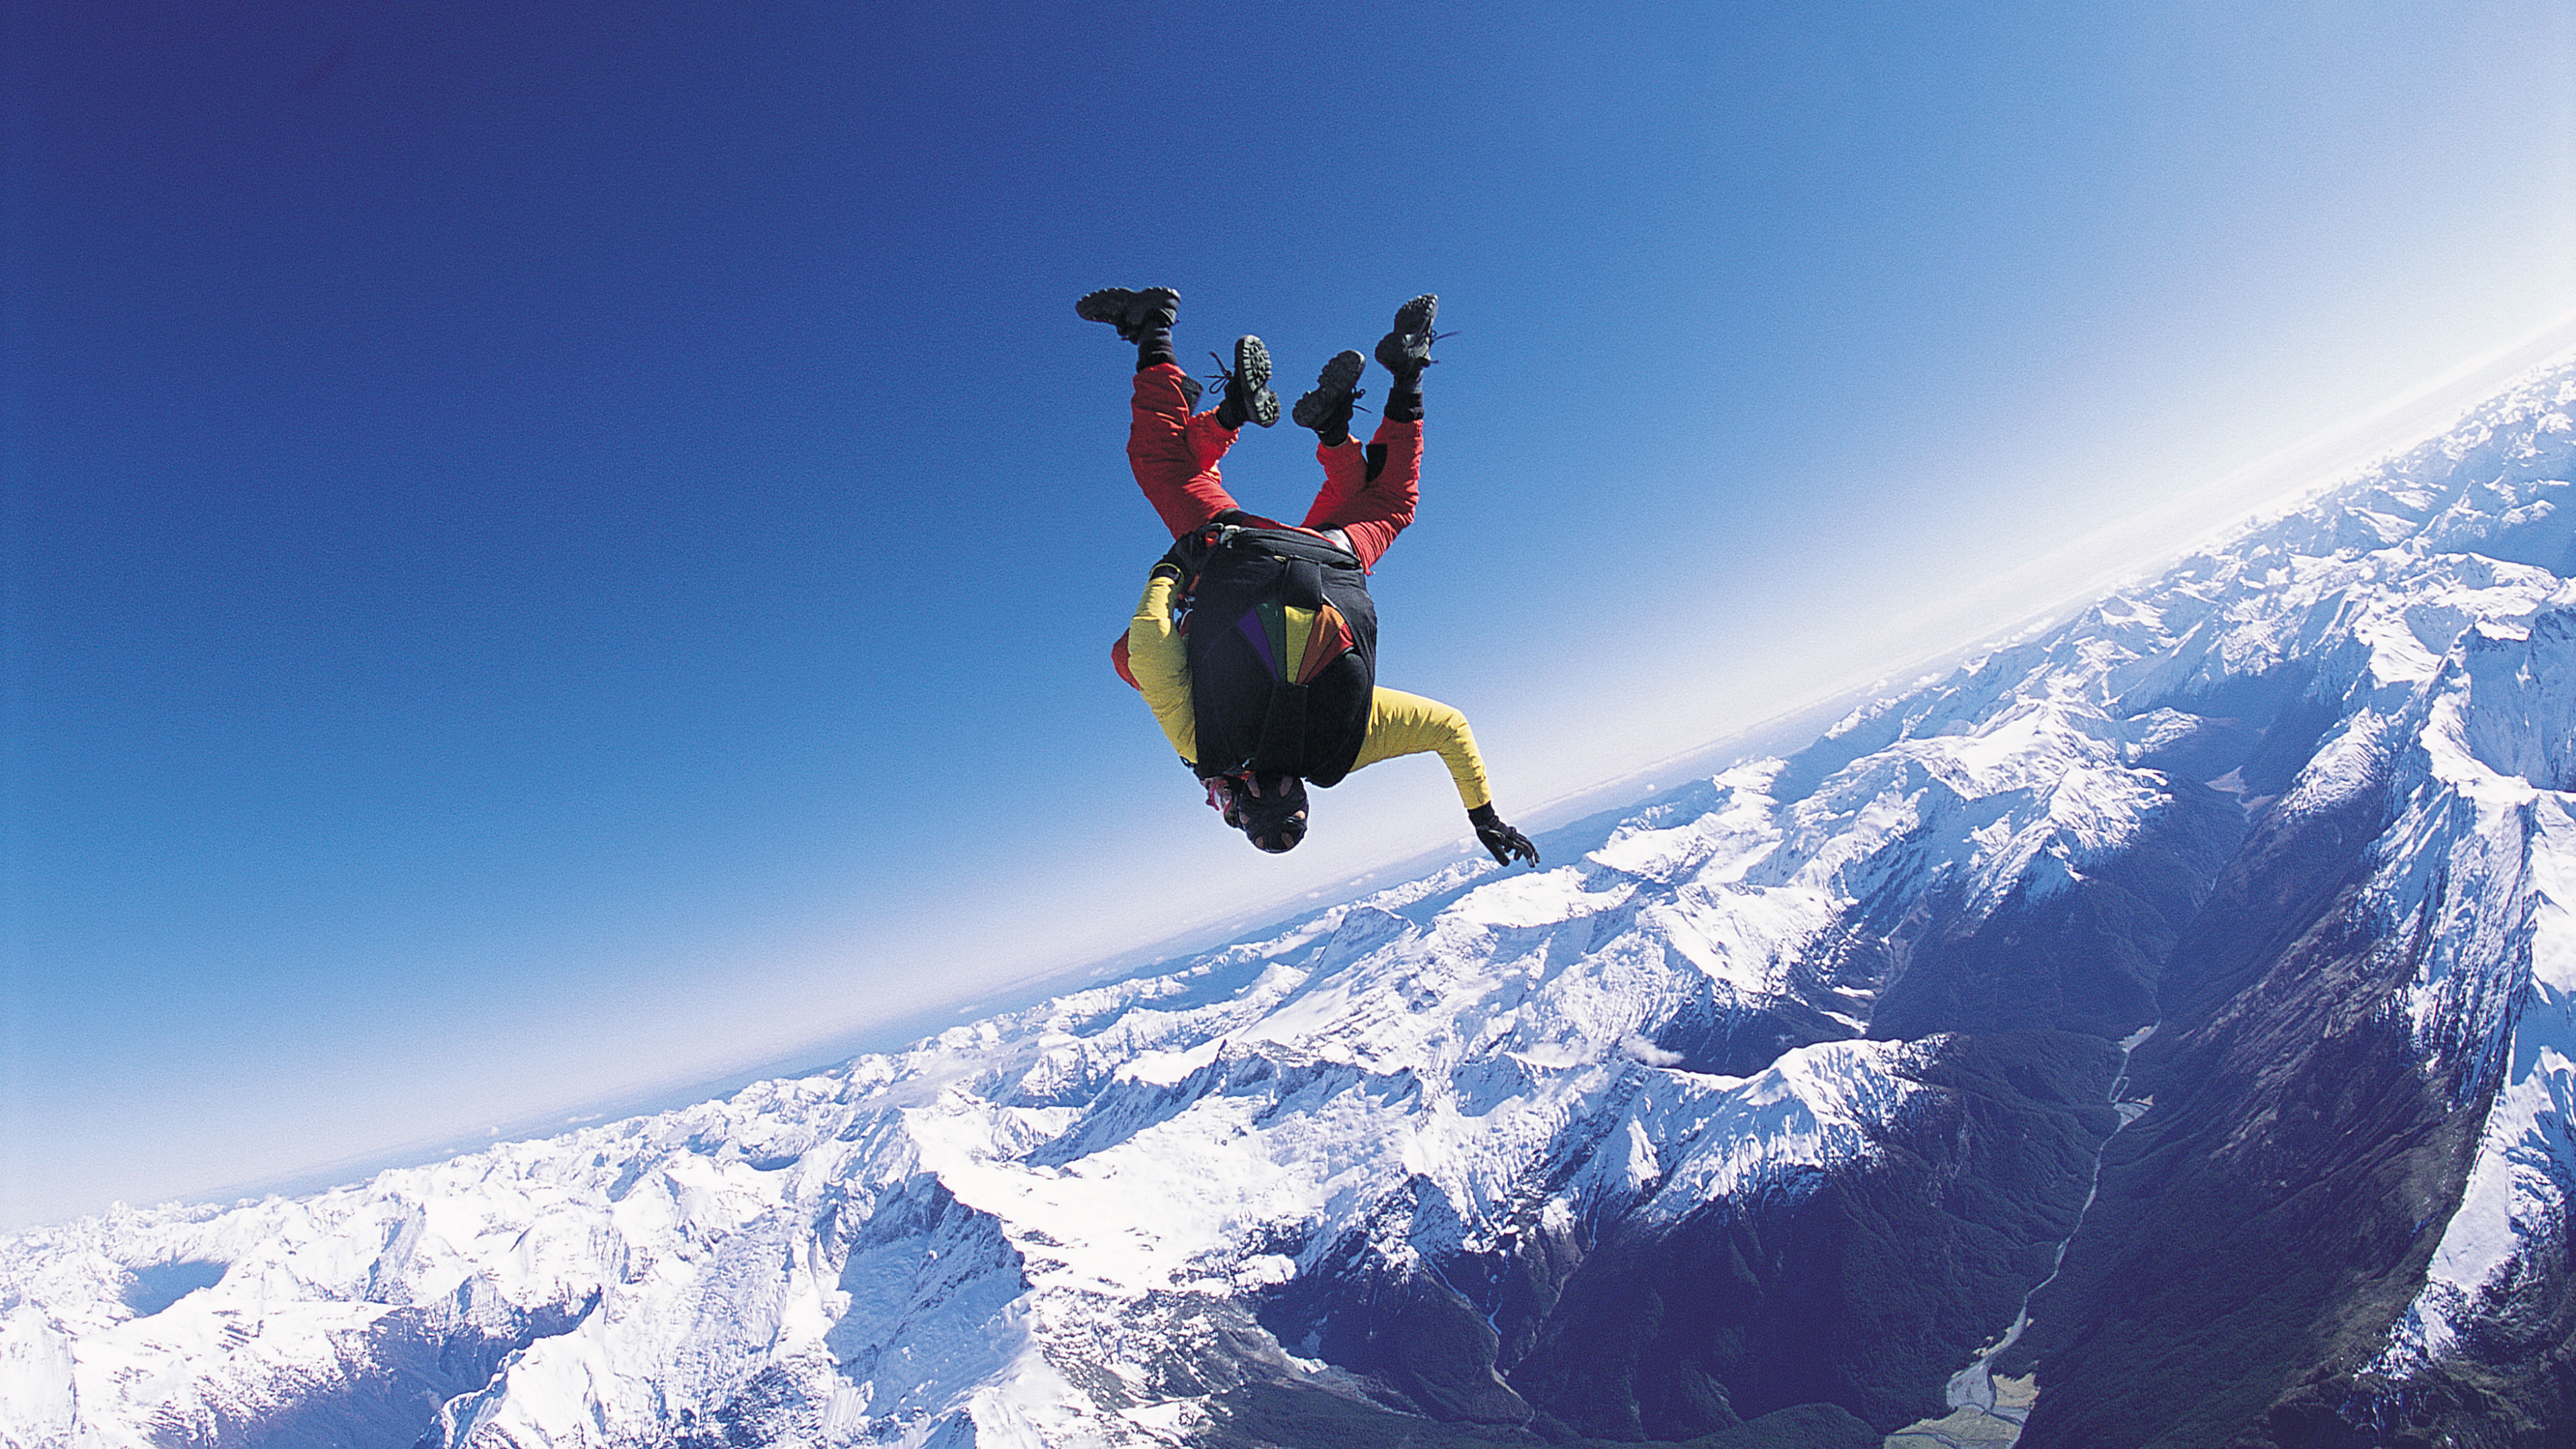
(2156, 1032)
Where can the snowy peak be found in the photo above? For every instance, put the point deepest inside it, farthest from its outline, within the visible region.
(1834, 1094)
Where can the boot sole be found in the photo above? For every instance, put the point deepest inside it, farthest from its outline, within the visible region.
(1333, 389)
(1109, 305)
(1395, 351)
(1252, 364)
(1119, 306)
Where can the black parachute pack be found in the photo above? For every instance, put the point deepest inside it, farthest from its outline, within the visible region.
(1282, 649)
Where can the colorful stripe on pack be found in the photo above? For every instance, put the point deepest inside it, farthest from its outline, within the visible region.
(1253, 628)
(1296, 644)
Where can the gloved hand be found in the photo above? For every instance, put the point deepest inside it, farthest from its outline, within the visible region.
(1501, 839)
(1188, 554)
(1221, 798)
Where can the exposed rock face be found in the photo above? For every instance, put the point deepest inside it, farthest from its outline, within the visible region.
(1809, 1104)
(2370, 978)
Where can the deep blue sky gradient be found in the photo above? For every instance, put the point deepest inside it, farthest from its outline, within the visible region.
(559, 547)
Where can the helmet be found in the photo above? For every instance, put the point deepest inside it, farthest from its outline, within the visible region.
(1270, 810)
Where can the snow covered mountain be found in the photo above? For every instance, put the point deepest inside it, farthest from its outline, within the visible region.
(2160, 1030)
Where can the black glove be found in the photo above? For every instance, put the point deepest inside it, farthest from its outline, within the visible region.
(1501, 839)
(1188, 554)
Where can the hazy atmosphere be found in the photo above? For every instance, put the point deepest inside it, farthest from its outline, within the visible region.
(553, 552)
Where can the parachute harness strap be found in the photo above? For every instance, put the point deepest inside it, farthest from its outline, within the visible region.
(1212, 537)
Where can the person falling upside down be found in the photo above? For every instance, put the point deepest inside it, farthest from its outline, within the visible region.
(1275, 687)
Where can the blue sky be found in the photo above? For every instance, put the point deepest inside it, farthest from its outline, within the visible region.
(557, 549)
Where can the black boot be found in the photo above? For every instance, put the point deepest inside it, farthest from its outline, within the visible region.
(1248, 397)
(1142, 317)
(1405, 352)
(1328, 408)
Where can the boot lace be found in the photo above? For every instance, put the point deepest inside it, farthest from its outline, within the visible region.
(1427, 339)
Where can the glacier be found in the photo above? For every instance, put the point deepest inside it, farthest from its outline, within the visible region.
(2193, 966)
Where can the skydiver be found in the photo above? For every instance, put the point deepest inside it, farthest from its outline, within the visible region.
(1275, 688)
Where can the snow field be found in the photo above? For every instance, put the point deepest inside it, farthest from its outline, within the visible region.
(1049, 1228)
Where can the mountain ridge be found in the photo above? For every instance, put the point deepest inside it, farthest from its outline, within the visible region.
(2154, 1030)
